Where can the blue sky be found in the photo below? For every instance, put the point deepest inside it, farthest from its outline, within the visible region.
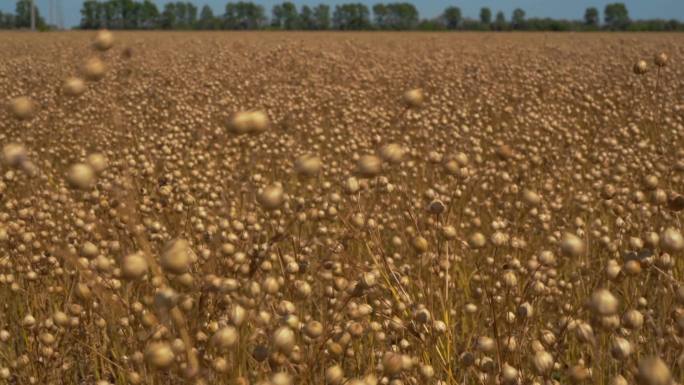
(638, 9)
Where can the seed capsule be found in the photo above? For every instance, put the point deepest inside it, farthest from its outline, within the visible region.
(81, 176)
(104, 40)
(176, 256)
(271, 197)
(22, 107)
(134, 266)
(414, 98)
(94, 69)
(74, 86)
(369, 166)
(159, 355)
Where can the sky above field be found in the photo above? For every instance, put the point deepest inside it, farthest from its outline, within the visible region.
(561, 9)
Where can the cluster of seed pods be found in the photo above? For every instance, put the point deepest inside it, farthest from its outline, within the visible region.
(364, 209)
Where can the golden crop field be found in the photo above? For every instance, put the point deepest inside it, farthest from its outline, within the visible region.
(341, 208)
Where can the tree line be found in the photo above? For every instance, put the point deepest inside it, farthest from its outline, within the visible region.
(247, 15)
(21, 18)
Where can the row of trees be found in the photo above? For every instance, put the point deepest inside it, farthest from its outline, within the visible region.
(144, 14)
(21, 18)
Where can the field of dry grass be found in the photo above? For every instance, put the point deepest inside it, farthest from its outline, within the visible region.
(341, 208)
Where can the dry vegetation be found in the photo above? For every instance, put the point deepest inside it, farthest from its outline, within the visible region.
(401, 209)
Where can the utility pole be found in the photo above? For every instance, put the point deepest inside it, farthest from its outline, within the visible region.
(33, 16)
(51, 12)
(60, 15)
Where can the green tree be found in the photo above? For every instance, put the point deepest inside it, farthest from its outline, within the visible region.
(306, 18)
(168, 17)
(397, 16)
(321, 14)
(518, 19)
(6, 20)
(616, 16)
(380, 15)
(243, 15)
(190, 19)
(207, 19)
(22, 15)
(149, 15)
(591, 17)
(290, 17)
(485, 16)
(452, 17)
(106, 12)
(403, 16)
(352, 16)
(124, 14)
(500, 22)
(89, 15)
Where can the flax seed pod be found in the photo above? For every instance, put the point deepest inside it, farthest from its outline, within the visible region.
(74, 86)
(14, 154)
(81, 176)
(542, 362)
(640, 67)
(308, 165)
(369, 166)
(271, 197)
(414, 98)
(94, 69)
(604, 303)
(660, 59)
(23, 108)
(284, 339)
(104, 40)
(159, 355)
(572, 245)
(392, 153)
(653, 371)
(671, 240)
(134, 266)
(225, 338)
(334, 375)
(175, 257)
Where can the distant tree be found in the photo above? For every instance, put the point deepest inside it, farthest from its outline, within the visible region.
(616, 16)
(124, 14)
(182, 15)
(321, 14)
(106, 12)
(431, 25)
(500, 21)
(149, 15)
(191, 15)
(89, 15)
(353, 16)
(290, 16)
(518, 19)
(6, 20)
(285, 16)
(306, 18)
(452, 17)
(168, 16)
(473, 25)
(22, 15)
(206, 18)
(380, 15)
(277, 16)
(591, 17)
(243, 15)
(397, 16)
(485, 16)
